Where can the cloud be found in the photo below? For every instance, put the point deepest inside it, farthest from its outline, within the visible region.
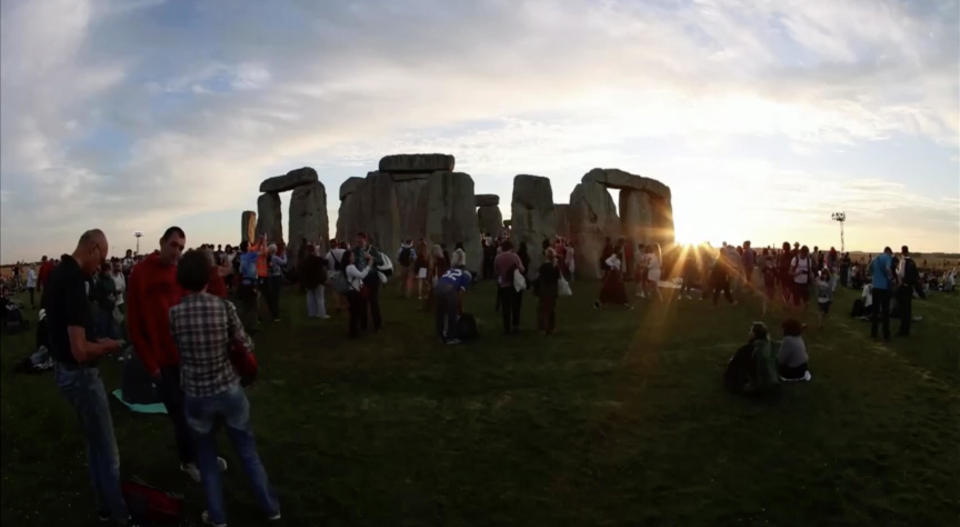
(137, 114)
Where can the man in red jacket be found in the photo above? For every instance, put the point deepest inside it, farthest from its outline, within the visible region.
(151, 291)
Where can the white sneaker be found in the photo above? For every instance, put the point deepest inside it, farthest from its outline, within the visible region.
(205, 518)
(191, 470)
(275, 517)
(222, 463)
(325, 317)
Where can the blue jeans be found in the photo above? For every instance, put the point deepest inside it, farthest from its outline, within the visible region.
(83, 389)
(233, 407)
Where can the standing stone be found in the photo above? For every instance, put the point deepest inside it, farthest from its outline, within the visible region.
(350, 186)
(533, 216)
(450, 215)
(662, 221)
(635, 223)
(487, 200)
(593, 218)
(490, 220)
(308, 219)
(248, 225)
(269, 217)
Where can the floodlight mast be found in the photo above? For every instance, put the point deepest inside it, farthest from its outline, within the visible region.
(841, 218)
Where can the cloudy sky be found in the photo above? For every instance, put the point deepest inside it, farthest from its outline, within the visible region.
(763, 117)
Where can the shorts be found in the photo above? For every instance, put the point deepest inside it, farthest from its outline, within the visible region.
(824, 306)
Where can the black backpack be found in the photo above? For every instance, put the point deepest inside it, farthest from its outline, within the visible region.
(467, 327)
(910, 274)
(404, 257)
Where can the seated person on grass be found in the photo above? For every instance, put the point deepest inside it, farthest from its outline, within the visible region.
(792, 358)
(753, 368)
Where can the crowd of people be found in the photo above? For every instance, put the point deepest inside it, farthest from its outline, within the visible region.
(183, 311)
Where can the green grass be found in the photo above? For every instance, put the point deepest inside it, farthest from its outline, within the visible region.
(619, 419)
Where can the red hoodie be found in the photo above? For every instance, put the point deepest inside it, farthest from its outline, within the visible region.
(151, 291)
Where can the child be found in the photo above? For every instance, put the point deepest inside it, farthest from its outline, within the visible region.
(792, 357)
(824, 294)
(769, 279)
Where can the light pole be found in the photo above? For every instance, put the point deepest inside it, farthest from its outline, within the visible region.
(137, 235)
(840, 217)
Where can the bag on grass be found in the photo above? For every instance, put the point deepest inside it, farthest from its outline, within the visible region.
(467, 327)
(150, 504)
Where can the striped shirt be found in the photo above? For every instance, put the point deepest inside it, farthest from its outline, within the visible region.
(203, 326)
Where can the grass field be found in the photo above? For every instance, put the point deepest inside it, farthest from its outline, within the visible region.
(619, 419)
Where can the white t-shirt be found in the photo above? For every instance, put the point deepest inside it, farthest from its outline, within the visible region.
(801, 269)
(121, 284)
(31, 278)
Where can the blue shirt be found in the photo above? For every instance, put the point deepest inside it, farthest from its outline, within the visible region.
(456, 277)
(880, 266)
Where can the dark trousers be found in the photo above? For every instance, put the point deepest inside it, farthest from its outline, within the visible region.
(547, 313)
(905, 306)
(881, 312)
(168, 388)
(510, 308)
(721, 283)
(274, 283)
(358, 312)
(31, 290)
(447, 310)
(373, 299)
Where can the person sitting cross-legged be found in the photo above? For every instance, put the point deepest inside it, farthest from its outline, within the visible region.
(792, 357)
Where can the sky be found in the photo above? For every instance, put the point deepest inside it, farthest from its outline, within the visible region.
(763, 117)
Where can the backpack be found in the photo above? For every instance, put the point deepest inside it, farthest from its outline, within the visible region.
(467, 327)
(910, 274)
(248, 267)
(404, 257)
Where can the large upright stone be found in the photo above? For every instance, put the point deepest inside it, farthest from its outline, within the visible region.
(425, 163)
(269, 217)
(533, 216)
(616, 178)
(593, 219)
(248, 226)
(662, 231)
(487, 200)
(308, 219)
(290, 181)
(350, 186)
(490, 220)
(450, 215)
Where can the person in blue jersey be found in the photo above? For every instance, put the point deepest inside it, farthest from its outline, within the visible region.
(882, 272)
(450, 287)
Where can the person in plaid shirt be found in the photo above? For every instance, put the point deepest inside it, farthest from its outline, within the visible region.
(203, 326)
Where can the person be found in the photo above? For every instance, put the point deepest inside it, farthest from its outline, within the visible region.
(32, 285)
(459, 257)
(151, 291)
(247, 290)
(845, 269)
(769, 270)
(277, 264)
(882, 281)
(421, 265)
(748, 260)
(46, 266)
(75, 354)
(801, 268)
(792, 359)
(653, 261)
(642, 260)
(371, 280)
(613, 290)
(505, 264)
(489, 254)
(204, 327)
(785, 278)
(548, 279)
(406, 257)
(448, 297)
(105, 297)
(909, 279)
(524, 256)
(720, 277)
(313, 276)
(355, 299)
(605, 254)
(261, 247)
(120, 284)
(824, 295)
(753, 368)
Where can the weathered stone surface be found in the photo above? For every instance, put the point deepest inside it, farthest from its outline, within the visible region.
(490, 219)
(248, 225)
(662, 221)
(289, 181)
(533, 216)
(308, 219)
(350, 186)
(616, 178)
(269, 217)
(636, 216)
(563, 219)
(408, 176)
(424, 163)
(372, 208)
(593, 218)
(451, 216)
(487, 200)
